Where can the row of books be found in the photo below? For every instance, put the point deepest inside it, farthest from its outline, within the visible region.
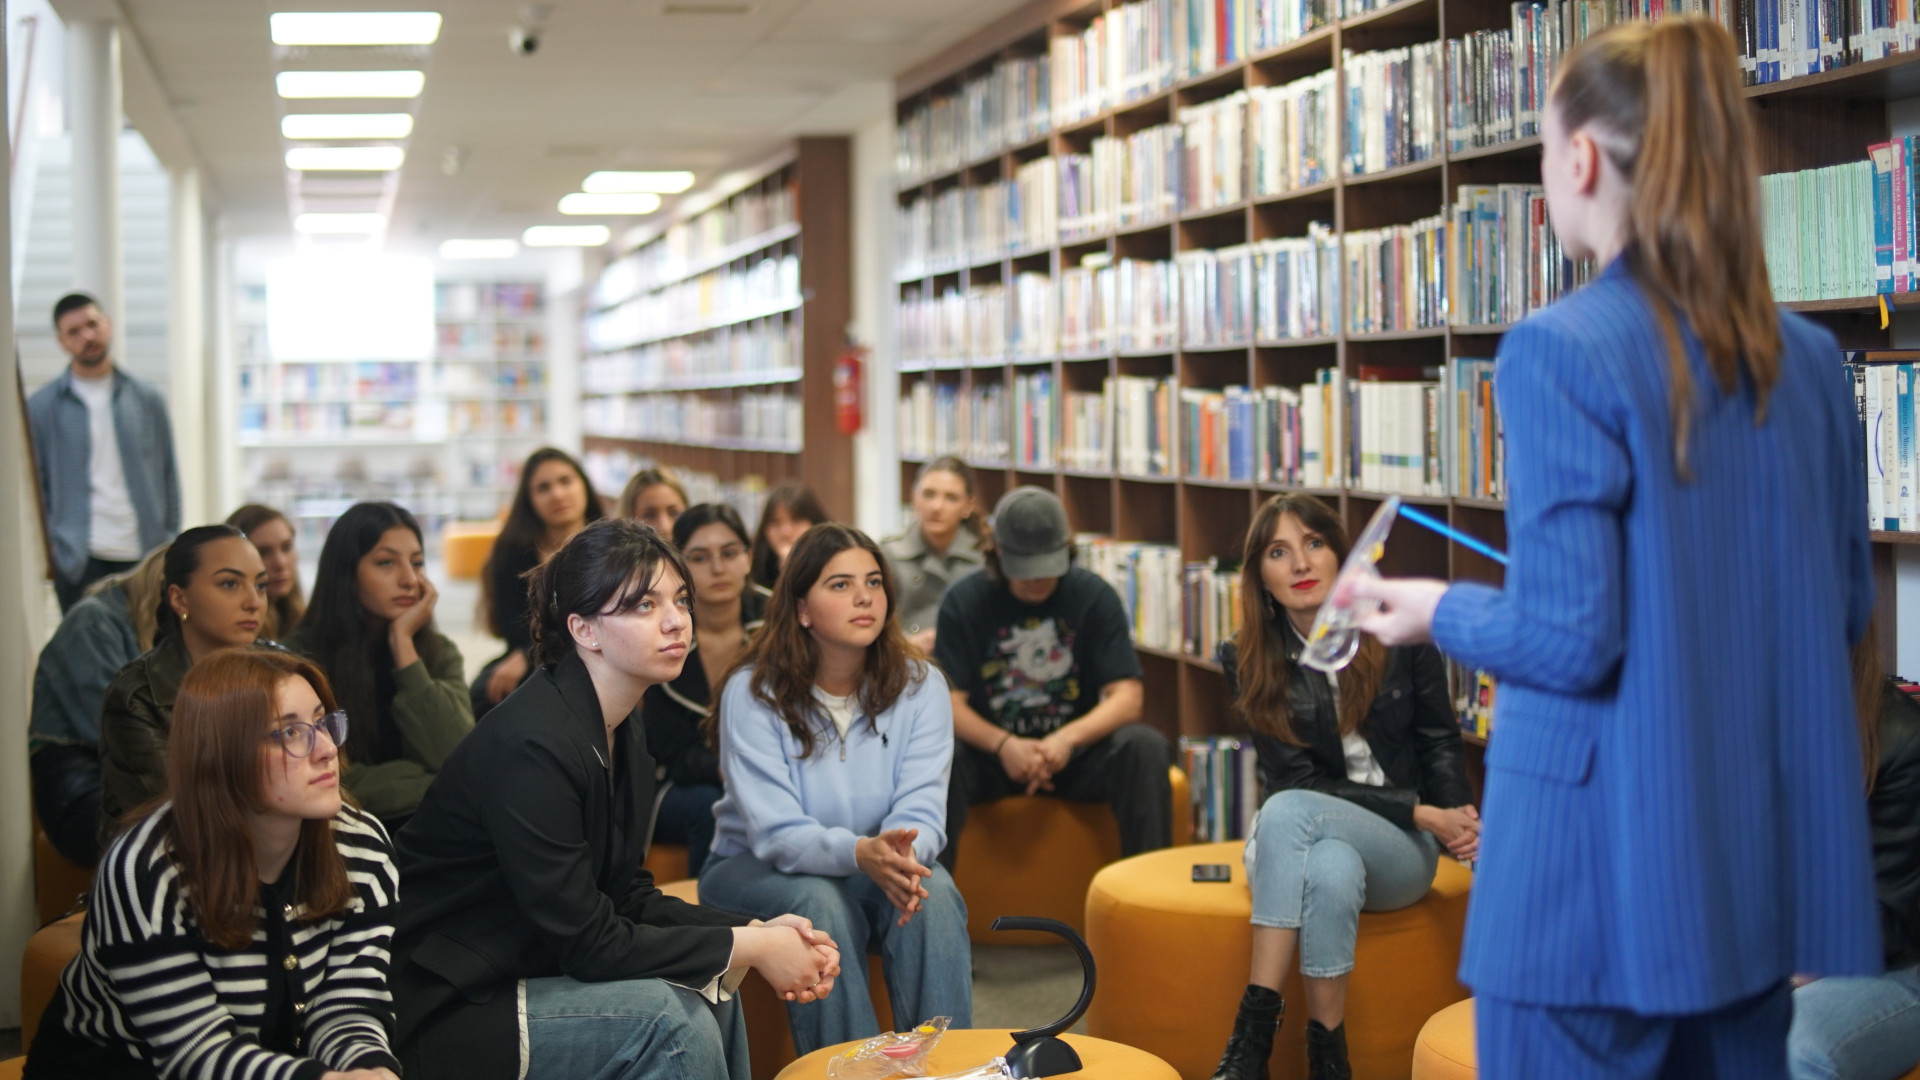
(367, 379)
(1503, 260)
(1294, 139)
(1896, 215)
(771, 420)
(767, 347)
(1148, 578)
(1398, 276)
(1214, 153)
(514, 419)
(611, 467)
(699, 304)
(525, 378)
(481, 339)
(1820, 233)
(940, 418)
(1122, 55)
(1883, 393)
(1006, 106)
(1036, 420)
(1223, 786)
(695, 241)
(1393, 108)
(466, 300)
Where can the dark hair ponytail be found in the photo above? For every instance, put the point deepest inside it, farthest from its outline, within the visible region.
(606, 569)
(182, 560)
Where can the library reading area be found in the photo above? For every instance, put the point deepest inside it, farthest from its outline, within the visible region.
(853, 539)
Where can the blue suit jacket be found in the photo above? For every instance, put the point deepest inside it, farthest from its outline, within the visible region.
(1675, 811)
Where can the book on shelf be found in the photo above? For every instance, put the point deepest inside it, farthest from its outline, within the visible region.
(1293, 134)
(1084, 443)
(1503, 260)
(768, 419)
(1140, 173)
(1033, 321)
(1149, 579)
(1393, 108)
(1223, 786)
(1033, 205)
(1472, 691)
(986, 420)
(1213, 144)
(698, 303)
(1296, 286)
(1143, 423)
(766, 347)
(986, 322)
(1210, 603)
(1146, 316)
(1475, 454)
(685, 244)
(1397, 433)
(1216, 433)
(1087, 309)
(1820, 232)
(1216, 297)
(1883, 393)
(1399, 276)
(1035, 419)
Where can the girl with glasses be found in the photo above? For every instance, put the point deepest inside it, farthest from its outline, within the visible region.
(240, 927)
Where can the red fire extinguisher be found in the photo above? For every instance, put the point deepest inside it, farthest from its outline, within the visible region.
(847, 391)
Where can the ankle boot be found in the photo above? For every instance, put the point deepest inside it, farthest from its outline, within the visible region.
(1251, 1043)
(1327, 1053)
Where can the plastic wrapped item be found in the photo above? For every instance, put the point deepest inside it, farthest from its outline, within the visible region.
(992, 1070)
(894, 1053)
(1335, 636)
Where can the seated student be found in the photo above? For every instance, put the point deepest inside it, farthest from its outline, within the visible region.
(99, 635)
(1366, 780)
(945, 542)
(835, 738)
(213, 596)
(790, 510)
(727, 611)
(555, 500)
(370, 628)
(241, 928)
(272, 535)
(1046, 685)
(654, 496)
(531, 941)
(1869, 1028)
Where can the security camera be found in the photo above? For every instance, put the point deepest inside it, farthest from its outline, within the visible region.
(524, 40)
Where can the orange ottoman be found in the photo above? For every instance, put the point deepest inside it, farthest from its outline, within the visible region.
(1035, 855)
(48, 951)
(1151, 925)
(10, 1068)
(466, 546)
(967, 1049)
(667, 862)
(58, 885)
(1444, 1050)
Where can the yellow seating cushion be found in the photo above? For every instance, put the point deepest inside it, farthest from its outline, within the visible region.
(466, 546)
(667, 862)
(1445, 1047)
(1151, 925)
(967, 1049)
(10, 1069)
(1035, 855)
(48, 952)
(58, 885)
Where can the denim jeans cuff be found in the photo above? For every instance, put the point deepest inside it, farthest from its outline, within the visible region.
(1326, 973)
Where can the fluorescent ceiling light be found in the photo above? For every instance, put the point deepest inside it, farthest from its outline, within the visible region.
(350, 84)
(566, 236)
(347, 125)
(338, 224)
(609, 205)
(355, 27)
(479, 249)
(345, 158)
(663, 183)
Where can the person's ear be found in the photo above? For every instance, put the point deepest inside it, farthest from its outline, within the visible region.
(800, 612)
(584, 632)
(1585, 162)
(177, 600)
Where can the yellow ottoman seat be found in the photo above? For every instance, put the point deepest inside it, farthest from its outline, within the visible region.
(10, 1069)
(1151, 925)
(967, 1049)
(1444, 1050)
(466, 546)
(48, 952)
(1035, 855)
(667, 862)
(58, 884)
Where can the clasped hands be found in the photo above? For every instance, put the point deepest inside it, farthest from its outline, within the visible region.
(801, 966)
(889, 860)
(1457, 829)
(1034, 762)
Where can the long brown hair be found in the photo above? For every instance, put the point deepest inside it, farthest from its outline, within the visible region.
(974, 522)
(640, 482)
(217, 756)
(784, 658)
(141, 587)
(287, 611)
(1664, 102)
(523, 529)
(1263, 668)
(1869, 690)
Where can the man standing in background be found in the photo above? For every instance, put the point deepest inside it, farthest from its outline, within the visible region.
(104, 453)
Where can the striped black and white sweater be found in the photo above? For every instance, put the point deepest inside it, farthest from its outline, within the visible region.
(146, 981)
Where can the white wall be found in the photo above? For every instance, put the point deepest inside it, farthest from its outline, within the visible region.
(876, 452)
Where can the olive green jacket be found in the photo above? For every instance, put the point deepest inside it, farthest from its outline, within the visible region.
(135, 717)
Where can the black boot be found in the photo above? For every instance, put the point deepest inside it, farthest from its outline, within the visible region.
(1327, 1053)
(1251, 1043)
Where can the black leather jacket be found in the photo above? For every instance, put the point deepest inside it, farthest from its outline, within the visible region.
(1411, 729)
(1895, 810)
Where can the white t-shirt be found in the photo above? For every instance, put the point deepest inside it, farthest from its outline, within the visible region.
(1362, 767)
(115, 531)
(839, 710)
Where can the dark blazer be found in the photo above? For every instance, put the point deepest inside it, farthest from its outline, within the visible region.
(1895, 809)
(524, 861)
(1410, 727)
(674, 711)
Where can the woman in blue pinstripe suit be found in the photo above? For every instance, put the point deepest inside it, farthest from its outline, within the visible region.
(1674, 825)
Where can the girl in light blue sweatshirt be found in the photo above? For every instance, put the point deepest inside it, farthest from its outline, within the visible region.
(836, 738)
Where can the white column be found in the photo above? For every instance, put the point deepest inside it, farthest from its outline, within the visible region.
(224, 387)
(876, 450)
(189, 390)
(568, 278)
(94, 120)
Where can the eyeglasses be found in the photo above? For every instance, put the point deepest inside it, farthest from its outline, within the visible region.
(297, 738)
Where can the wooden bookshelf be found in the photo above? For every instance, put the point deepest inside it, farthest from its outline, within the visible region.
(1805, 123)
(638, 357)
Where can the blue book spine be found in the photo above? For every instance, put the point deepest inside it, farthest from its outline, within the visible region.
(1904, 380)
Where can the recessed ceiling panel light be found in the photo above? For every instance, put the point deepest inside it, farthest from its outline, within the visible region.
(355, 27)
(663, 183)
(479, 249)
(609, 205)
(350, 84)
(345, 158)
(566, 236)
(347, 125)
(338, 224)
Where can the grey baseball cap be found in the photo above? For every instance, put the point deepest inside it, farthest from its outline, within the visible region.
(1030, 532)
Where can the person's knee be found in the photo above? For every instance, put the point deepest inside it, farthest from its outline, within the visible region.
(1336, 873)
(1141, 747)
(1289, 813)
(944, 907)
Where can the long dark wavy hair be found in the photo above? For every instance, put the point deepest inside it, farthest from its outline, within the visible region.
(523, 529)
(606, 569)
(342, 637)
(1264, 670)
(784, 657)
(799, 502)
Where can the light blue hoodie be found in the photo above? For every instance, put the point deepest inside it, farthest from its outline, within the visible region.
(802, 816)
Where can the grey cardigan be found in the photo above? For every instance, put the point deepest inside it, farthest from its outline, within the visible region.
(63, 454)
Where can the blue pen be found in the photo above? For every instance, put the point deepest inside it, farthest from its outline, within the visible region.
(1451, 533)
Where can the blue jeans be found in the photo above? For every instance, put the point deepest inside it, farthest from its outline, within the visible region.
(1321, 861)
(928, 963)
(636, 1029)
(1856, 1029)
(1742, 1041)
(686, 817)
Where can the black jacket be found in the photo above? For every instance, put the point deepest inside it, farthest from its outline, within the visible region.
(524, 862)
(674, 711)
(1895, 810)
(1410, 727)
